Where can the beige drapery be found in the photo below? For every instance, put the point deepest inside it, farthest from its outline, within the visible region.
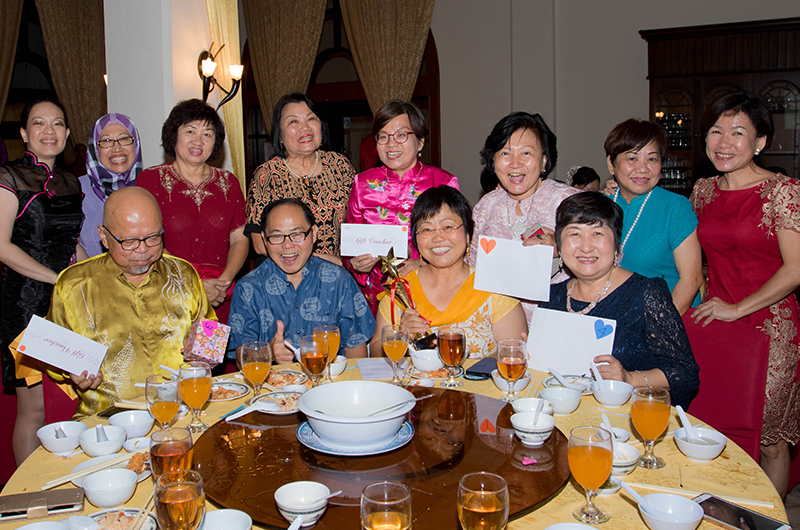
(74, 38)
(387, 38)
(10, 16)
(223, 19)
(283, 37)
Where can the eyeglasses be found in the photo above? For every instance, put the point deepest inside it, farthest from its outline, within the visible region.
(133, 243)
(399, 137)
(447, 230)
(295, 237)
(108, 143)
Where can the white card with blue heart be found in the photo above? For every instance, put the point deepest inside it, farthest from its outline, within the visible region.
(568, 342)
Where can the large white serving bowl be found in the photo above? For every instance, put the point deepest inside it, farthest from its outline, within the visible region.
(426, 360)
(686, 510)
(47, 436)
(137, 423)
(110, 487)
(617, 394)
(701, 453)
(116, 437)
(339, 412)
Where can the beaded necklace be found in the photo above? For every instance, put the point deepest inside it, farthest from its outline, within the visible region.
(638, 215)
(304, 179)
(593, 303)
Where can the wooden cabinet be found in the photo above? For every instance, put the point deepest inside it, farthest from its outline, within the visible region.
(690, 67)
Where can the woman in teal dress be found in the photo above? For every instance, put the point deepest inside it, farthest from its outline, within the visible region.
(659, 233)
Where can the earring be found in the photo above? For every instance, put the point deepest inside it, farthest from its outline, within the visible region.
(758, 151)
(467, 258)
(560, 263)
(617, 259)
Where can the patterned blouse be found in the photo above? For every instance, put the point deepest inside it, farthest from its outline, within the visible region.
(326, 195)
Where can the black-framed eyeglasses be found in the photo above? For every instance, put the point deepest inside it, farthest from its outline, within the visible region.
(446, 230)
(133, 243)
(295, 237)
(400, 137)
(108, 143)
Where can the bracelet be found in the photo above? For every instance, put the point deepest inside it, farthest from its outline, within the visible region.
(646, 382)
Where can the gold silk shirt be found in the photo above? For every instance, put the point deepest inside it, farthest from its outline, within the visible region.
(143, 326)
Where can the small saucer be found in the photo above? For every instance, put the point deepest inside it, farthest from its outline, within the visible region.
(610, 487)
(307, 437)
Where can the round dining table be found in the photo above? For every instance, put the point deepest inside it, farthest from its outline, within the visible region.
(733, 474)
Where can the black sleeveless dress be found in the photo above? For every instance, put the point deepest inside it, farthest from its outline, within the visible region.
(47, 226)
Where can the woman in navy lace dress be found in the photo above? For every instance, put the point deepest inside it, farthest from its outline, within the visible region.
(650, 344)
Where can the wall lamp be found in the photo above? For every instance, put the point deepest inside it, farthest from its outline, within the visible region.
(206, 68)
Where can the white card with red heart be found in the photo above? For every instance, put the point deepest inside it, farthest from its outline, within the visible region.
(375, 240)
(506, 267)
(568, 342)
(60, 347)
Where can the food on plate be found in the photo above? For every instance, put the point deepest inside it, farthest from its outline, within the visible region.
(281, 378)
(441, 373)
(220, 393)
(115, 521)
(138, 463)
(287, 401)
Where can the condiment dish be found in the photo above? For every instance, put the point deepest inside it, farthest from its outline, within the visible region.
(304, 498)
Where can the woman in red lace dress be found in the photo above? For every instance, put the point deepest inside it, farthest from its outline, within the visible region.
(749, 228)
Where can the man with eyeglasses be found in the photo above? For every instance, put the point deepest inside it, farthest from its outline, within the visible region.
(292, 292)
(133, 299)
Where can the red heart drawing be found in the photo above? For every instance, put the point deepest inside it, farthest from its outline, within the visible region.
(405, 229)
(487, 426)
(487, 245)
(21, 347)
(209, 326)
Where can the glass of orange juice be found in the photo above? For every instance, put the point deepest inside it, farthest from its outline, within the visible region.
(334, 338)
(161, 393)
(395, 344)
(314, 355)
(590, 457)
(256, 363)
(194, 388)
(650, 415)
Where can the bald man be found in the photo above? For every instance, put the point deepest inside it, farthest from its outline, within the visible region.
(133, 299)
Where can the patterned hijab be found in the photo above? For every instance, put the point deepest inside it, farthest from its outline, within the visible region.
(104, 181)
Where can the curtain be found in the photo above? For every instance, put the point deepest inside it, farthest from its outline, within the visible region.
(283, 37)
(223, 19)
(74, 38)
(387, 39)
(10, 16)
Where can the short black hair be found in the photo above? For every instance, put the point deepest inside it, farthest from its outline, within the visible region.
(26, 110)
(633, 135)
(430, 203)
(512, 123)
(290, 201)
(394, 108)
(277, 114)
(583, 176)
(754, 107)
(189, 111)
(589, 208)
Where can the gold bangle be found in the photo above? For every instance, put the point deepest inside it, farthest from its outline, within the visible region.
(646, 382)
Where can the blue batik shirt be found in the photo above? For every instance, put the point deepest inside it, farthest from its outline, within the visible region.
(327, 295)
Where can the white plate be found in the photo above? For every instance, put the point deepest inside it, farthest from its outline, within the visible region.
(307, 437)
(241, 388)
(270, 397)
(300, 378)
(582, 380)
(99, 460)
(149, 524)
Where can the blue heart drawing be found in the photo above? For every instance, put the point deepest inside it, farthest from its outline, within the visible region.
(601, 330)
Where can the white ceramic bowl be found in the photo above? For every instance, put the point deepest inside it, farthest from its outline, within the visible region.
(618, 393)
(614, 485)
(426, 360)
(137, 423)
(300, 389)
(226, 519)
(701, 453)
(338, 365)
(529, 405)
(134, 445)
(46, 525)
(110, 487)
(301, 498)
(532, 435)
(47, 436)
(625, 459)
(689, 512)
(519, 384)
(345, 407)
(90, 445)
(564, 400)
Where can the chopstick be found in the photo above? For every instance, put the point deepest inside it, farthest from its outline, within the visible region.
(139, 521)
(689, 493)
(88, 471)
(534, 383)
(128, 404)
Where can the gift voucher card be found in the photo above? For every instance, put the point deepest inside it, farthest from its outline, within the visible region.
(60, 347)
(375, 240)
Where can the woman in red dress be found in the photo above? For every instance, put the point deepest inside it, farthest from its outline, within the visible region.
(202, 206)
(749, 228)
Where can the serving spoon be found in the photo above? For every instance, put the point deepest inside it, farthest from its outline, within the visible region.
(397, 405)
(607, 426)
(563, 381)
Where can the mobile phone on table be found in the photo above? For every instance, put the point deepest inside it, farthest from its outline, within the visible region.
(482, 369)
(40, 504)
(730, 515)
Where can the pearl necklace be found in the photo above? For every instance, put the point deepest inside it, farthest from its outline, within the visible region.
(593, 303)
(638, 215)
(304, 179)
